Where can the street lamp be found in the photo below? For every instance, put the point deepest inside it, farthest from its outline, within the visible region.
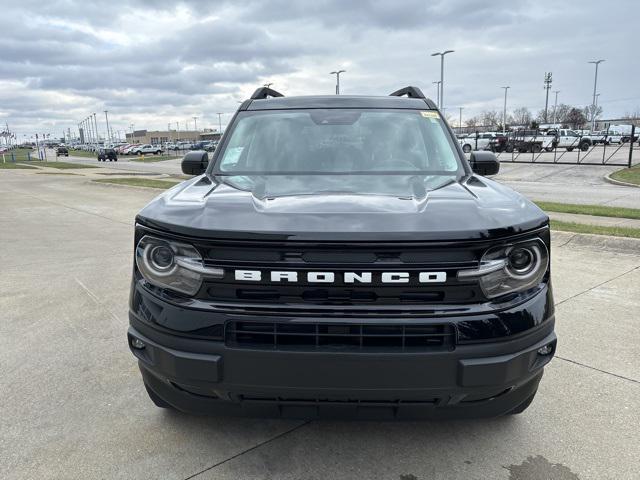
(442, 54)
(220, 123)
(437, 84)
(504, 110)
(555, 105)
(107, 120)
(595, 84)
(195, 124)
(337, 74)
(460, 120)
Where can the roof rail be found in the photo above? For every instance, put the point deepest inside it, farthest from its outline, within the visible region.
(264, 92)
(411, 92)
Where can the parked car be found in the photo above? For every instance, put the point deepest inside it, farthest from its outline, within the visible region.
(62, 152)
(146, 148)
(105, 154)
(130, 149)
(478, 141)
(366, 275)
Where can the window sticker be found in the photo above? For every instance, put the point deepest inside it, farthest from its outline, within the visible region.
(430, 114)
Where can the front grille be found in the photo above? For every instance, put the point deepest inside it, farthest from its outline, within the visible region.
(339, 336)
(303, 258)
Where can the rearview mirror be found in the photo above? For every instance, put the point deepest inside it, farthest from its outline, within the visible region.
(484, 163)
(195, 163)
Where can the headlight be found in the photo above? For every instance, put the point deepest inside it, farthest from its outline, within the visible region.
(173, 265)
(510, 268)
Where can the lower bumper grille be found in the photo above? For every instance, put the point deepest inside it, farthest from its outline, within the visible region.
(339, 336)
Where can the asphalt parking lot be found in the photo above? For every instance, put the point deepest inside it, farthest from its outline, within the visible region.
(73, 405)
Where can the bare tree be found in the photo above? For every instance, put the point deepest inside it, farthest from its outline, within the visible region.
(489, 118)
(576, 118)
(472, 121)
(592, 112)
(521, 116)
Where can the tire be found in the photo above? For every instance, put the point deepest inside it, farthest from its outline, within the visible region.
(524, 405)
(536, 148)
(584, 146)
(159, 402)
(466, 148)
(508, 148)
(548, 149)
(569, 149)
(158, 152)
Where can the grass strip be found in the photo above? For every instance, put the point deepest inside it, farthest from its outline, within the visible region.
(595, 229)
(15, 166)
(629, 175)
(598, 210)
(151, 158)
(139, 182)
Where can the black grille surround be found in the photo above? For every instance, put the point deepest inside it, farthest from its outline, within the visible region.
(339, 259)
(332, 336)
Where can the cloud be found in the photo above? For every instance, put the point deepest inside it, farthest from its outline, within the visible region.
(151, 62)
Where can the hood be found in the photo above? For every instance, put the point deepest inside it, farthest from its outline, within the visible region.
(343, 207)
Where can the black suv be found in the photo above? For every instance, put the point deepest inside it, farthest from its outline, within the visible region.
(339, 256)
(62, 151)
(105, 154)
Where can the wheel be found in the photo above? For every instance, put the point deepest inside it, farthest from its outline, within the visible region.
(548, 149)
(569, 149)
(524, 405)
(536, 148)
(584, 146)
(508, 148)
(159, 402)
(158, 152)
(466, 148)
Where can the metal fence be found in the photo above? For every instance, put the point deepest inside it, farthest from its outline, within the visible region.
(539, 147)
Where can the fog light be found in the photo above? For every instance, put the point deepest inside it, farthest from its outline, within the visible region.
(139, 344)
(546, 350)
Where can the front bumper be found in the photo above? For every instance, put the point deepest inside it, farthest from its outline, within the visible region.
(474, 380)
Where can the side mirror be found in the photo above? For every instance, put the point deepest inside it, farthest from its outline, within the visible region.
(195, 163)
(484, 163)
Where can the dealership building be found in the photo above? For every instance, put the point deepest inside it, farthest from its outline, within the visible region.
(163, 136)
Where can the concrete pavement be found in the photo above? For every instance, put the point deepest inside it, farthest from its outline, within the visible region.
(73, 405)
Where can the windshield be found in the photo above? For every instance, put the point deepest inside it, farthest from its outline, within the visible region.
(339, 141)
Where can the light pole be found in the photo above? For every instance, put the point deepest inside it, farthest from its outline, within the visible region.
(195, 124)
(437, 84)
(460, 120)
(595, 85)
(442, 54)
(337, 74)
(107, 120)
(220, 122)
(555, 106)
(504, 109)
(95, 122)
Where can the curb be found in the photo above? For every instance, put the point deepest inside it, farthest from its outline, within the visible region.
(600, 242)
(619, 182)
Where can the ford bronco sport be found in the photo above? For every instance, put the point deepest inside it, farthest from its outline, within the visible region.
(339, 256)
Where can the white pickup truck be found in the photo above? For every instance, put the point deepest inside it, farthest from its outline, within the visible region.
(569, 139)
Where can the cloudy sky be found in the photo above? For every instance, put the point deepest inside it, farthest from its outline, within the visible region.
(154, 62)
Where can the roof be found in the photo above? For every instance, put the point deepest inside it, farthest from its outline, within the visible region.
(265, 98)
(338, 101)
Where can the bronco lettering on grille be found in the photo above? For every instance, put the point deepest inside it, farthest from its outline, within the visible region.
(347, 277)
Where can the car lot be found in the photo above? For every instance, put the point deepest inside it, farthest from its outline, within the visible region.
(74, 407)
